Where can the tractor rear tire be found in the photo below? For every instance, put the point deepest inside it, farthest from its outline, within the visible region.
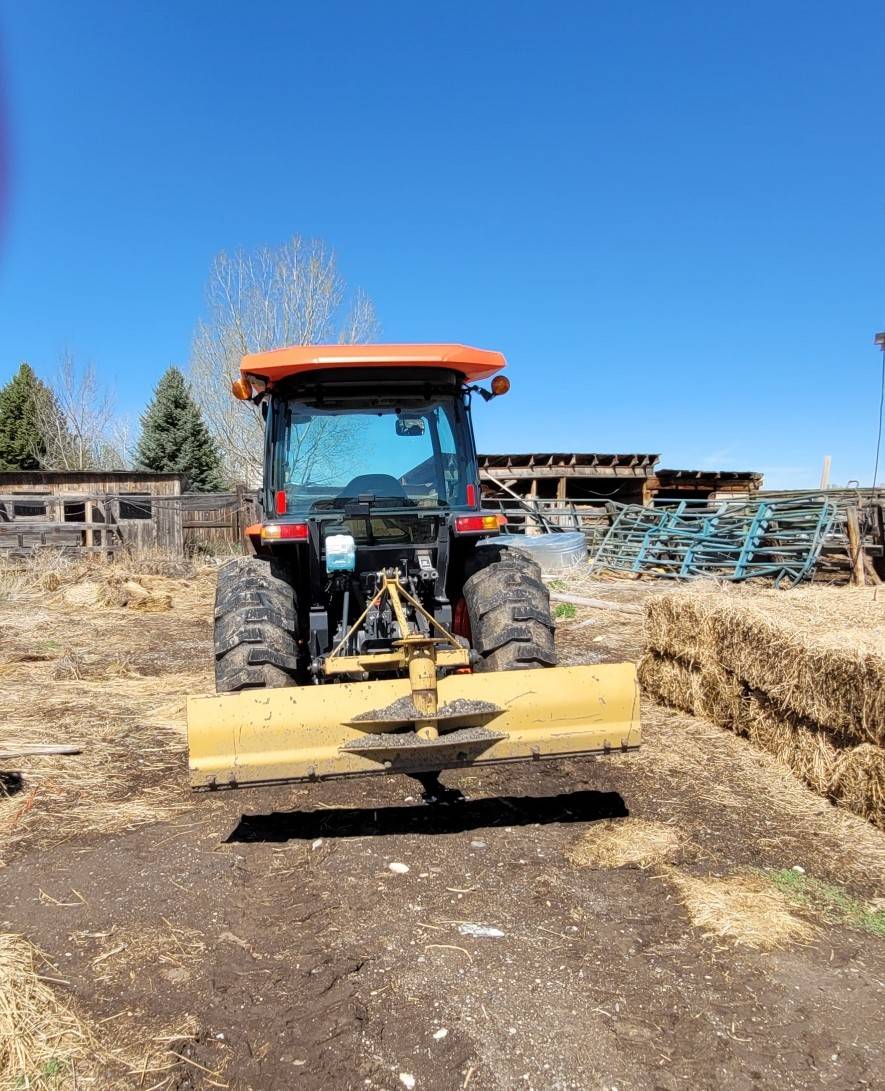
(255, 627)
(509, 610)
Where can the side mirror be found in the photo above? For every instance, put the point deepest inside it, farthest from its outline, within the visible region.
(410, 426)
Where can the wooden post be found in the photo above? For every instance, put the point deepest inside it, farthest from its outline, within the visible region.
(239, 519)
(88, 516)
(825, 473)
(562, 519)
(532, 524)
(106, 509)
(114, 536)
(855, 547)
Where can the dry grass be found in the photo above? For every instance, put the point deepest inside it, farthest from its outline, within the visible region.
(46, 1046)
(111, 682)
(817, 652)
(151, 582)
(628, 842)
(744, 910)
(42, 1041)
(130, 771)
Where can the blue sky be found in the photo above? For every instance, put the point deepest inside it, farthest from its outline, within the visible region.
(669, 216)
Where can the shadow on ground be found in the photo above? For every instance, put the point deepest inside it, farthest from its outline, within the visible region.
(431, 818)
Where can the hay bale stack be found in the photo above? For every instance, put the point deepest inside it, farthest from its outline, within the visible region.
(800, 744)
(859, 782)
(800, 673)
(819, 652)
(704, 691)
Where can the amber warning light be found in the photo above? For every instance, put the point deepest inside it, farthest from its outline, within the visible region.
(478, 524)
(241, 389)
(500, 385)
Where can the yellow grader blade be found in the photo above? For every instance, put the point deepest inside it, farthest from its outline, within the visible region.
(359, 728)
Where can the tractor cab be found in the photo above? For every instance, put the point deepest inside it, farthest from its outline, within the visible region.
(343, 442)
(371, 602)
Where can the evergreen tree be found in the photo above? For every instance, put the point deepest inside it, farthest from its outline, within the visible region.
(174, 438)
(22, 441)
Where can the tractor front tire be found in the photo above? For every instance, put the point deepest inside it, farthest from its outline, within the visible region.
(509, 609)
(255, 627)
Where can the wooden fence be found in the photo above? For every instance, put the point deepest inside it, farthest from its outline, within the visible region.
(188, 523)
(216, 521)
(28, 523)
(106, 523)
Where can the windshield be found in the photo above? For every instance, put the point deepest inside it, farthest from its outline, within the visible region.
(393, 456)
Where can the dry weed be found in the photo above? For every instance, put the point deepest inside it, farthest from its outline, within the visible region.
(743, 909)
(46, 1046)
(147, 581)
(627, 842)
(81, 668)
(131, 733)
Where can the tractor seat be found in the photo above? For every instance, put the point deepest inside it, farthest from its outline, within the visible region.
(382, 485)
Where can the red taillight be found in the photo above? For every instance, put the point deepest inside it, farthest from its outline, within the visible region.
(285, 532)
(280, 502)
(478, 524)
(471, 496)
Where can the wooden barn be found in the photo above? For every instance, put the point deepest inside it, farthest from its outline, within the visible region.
(585, 479)
(707, 485)
(98, 511)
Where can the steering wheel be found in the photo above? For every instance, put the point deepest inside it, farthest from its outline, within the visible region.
(383, 485)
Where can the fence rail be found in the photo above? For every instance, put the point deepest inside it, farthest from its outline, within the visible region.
(208, 522)
(100, 522)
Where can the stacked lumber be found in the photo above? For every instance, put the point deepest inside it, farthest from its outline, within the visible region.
(799, 673)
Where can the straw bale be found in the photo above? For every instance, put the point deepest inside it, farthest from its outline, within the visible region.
(706, 690)
(818, 652)
(668, 680)
(853, 776)
(858, 782)
(809, 752)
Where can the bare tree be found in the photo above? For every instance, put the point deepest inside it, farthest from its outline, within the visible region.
(78, 424)
(259, 300)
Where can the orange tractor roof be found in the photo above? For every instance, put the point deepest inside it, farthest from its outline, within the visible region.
(278, 364)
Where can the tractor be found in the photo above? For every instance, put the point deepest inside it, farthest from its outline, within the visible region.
(378, 623)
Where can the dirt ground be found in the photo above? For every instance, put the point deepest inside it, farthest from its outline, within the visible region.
(545, 933)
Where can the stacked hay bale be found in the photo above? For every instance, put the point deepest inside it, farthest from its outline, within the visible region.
(800, 673)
